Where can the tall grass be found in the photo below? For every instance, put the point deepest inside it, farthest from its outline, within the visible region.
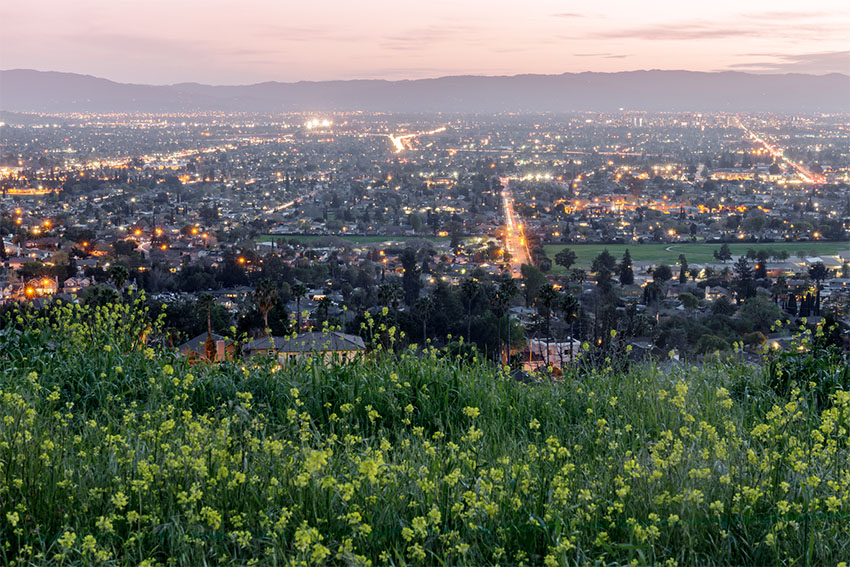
(113, 452)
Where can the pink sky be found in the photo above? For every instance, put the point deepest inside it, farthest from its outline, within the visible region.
(245, 41)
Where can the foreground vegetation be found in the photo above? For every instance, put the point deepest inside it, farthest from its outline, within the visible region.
(116, 451)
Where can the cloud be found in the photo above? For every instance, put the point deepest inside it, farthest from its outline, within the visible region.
(568, 15)
(306, 33)
(785, 15)
(705, 29)
(822, 62)
(416, 39)
(603, 55)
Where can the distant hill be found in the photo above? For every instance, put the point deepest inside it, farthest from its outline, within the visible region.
(24, 90)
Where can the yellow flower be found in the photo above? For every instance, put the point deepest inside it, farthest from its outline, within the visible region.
(471, 412)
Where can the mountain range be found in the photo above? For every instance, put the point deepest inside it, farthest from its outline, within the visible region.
(24, 90)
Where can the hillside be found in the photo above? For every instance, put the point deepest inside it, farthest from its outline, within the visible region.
(24, 90)
(115, 451)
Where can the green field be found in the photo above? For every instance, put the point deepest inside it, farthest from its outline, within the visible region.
(306, 238)
(696, 253)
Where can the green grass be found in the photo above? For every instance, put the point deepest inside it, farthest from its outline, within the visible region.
(696, 253)
(115, 453)
(353, 239)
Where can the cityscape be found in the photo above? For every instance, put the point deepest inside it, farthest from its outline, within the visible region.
(355, 209)
(392, 284)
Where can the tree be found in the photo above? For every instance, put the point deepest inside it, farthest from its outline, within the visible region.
(722, 306)
(298, 291)
(469, 290)
(683, 269)
(423, 307)
(389, 294)
(604, 261)
(818, 272)
(322, 309)
(265, 296)
(124, 247)
(533, 279)
(410, 278)
(119, 275)
(653, 292)
(507, 291)
(743, 278)
(569, 307)
(565, 258)
(546, 297)
(724, 254)
(627, 275)
(206, 302)
(662, 273)
(689, 300)
(760, 313)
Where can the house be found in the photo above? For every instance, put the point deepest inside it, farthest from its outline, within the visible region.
(263, 345)
(196, 349)
(557, 353)
(41, 287)
(334, 346)
(716, 292)
(74, 285)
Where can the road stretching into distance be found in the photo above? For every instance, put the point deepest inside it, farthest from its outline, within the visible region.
(514, 235)
(779, 154)
(399, 141)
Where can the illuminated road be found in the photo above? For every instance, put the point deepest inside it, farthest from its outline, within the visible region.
(399, 141)
(514, 235)
(779, 154)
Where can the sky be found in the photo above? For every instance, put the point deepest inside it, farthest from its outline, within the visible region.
(247, 41)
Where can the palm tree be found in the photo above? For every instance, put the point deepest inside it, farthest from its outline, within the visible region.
(469, 289)
(546, 297)
(569, 307)
(507, 291)
(424, 306)
(322, 309)
(497, 302)
(119, 275)
(206, 302)
(266, 297)
(298, 291)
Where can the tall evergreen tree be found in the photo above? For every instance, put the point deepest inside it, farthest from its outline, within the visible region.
(627, 275)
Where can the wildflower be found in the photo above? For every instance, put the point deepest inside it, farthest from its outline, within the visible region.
(89, 544)
(13, 518)
(471, 412)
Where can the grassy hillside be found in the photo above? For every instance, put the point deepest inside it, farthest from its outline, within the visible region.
(117, 452)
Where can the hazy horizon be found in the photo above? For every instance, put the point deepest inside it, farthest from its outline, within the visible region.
(210, 42)
(435, 77)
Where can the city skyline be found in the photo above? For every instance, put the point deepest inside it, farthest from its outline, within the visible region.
(212, 43)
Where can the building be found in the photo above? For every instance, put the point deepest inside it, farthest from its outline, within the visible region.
(196, 349)
(334, 346)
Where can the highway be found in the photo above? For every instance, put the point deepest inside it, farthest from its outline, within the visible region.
(779, 154)
(514, 234)
(399, 141)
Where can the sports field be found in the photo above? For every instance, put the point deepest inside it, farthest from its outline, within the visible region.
(353, 239)
(695, 253)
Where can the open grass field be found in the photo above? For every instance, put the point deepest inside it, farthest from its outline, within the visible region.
(117, 452)
(696, 253)
(353, 239)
